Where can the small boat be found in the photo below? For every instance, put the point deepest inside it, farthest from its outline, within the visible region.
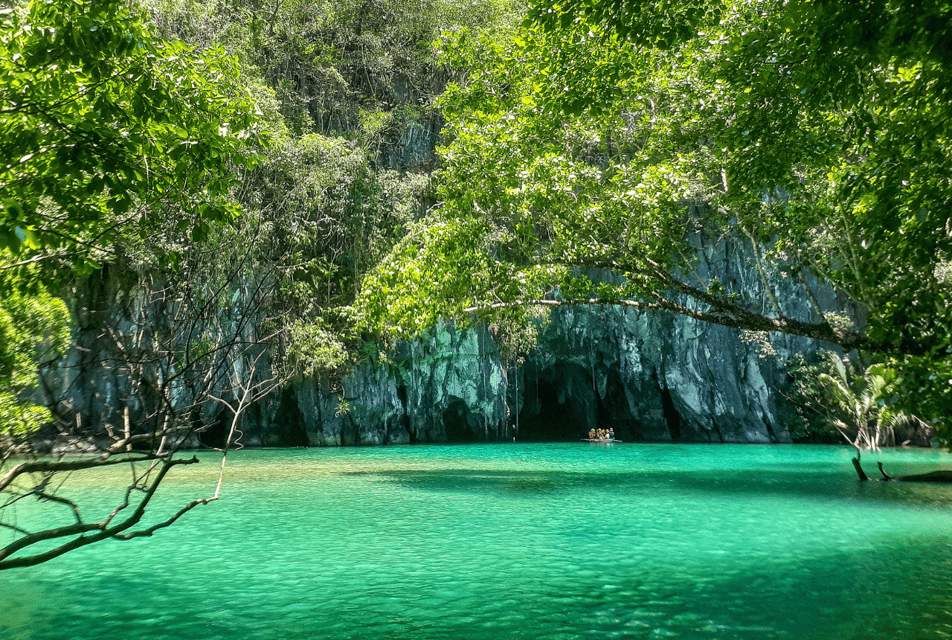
(601, 441)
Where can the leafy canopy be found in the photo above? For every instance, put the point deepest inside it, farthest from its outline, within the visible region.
(34, 330)
(101, 124)
(842, 110)
(609, 136)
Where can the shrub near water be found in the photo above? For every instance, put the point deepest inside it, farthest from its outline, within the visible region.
(833, 398)
(34, 331)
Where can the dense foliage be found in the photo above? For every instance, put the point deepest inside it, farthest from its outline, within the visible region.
(103, 126)
(34, 330)
(127, 136)
(611, 135)
(207, 183)
(348, 90)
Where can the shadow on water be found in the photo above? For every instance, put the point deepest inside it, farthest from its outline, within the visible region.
(834, 591)
(809, 482)
(837, 593)
(564, 552)
(483, 480)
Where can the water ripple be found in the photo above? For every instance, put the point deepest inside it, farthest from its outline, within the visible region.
(524, 541)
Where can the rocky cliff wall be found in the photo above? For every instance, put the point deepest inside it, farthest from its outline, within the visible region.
(450, 386)
(652, 376)
(660, 376)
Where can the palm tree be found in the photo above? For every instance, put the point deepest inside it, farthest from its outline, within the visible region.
(864, 419)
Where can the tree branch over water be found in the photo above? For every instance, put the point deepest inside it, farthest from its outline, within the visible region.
(634, 142)
(731, 317)
(186, 347)
(85, 533)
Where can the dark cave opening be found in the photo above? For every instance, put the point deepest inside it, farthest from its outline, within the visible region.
(613, 409)
(671, 416)
(405, 419)
(546, 419)
(214, 435)
(460, 424)
(291, 431)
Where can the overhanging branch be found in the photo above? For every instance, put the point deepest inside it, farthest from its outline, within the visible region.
(733, 317)
(98, 530)
(56, 466)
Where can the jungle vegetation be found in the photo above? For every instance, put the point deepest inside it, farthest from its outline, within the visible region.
(612, 134)
(261, 173)
(236, 167)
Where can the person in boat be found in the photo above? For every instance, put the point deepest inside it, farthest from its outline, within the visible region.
(611, 433)
(591, 434)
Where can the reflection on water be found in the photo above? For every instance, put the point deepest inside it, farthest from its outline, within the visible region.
(518, 541)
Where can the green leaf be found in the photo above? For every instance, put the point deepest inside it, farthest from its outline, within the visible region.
(12, 210)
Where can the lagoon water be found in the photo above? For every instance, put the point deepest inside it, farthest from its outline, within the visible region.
(517, 541)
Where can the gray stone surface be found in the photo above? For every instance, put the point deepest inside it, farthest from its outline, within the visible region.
(651, 376)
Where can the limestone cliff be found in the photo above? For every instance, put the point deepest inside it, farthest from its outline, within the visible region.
(449, 387)
(659, 376)
(652, 376)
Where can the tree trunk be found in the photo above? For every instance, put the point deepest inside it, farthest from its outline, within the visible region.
(859, 470)
(941, 476)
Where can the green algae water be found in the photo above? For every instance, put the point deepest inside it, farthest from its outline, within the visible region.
(518, 541)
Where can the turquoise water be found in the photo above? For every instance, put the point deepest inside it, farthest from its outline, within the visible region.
(518, 541)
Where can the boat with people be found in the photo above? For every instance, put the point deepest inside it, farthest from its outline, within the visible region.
(604, 436)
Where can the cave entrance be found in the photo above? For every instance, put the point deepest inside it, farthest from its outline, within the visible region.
(289, 428)
(461, 424)
(614, 410)
(560, 405)
(214, 435)
(671, 416)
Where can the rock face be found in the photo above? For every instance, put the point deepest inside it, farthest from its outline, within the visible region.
(449, 387)
(655, 376)
(658, 376)
(651, 376)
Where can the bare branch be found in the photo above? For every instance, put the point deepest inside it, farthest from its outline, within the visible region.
(166, 523)
(49, 497)
(56, 466)
(102, 529)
